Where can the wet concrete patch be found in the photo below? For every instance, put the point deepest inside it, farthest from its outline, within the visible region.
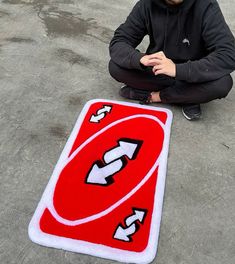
(12, 2)
(68, 24)
(29, 2)
(72, 57)
(35, 3)
(20, 40)
(63, 23)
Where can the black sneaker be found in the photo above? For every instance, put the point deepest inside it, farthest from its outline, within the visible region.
(191, 111)
(135, 94)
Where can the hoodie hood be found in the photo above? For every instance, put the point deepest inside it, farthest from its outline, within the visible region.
(185, 5)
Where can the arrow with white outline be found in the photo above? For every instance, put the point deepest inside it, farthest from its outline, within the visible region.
(124, 234)
(99, 175)
(137, 216)
(115, 161)
(126, 147)
(101, 113)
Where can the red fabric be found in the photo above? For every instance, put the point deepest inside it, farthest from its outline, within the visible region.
(75, 199)
(117, 112)
(102, 230)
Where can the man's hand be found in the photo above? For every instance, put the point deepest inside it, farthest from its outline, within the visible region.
(151, 60)
(160, 63)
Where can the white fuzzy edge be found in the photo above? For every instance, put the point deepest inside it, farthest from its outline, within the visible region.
(146, 256)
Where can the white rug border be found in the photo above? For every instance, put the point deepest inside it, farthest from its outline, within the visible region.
(146, 256)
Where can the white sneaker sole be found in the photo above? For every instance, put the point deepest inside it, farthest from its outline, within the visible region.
(189, 118)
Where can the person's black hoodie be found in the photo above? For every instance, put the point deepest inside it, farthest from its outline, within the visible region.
(193, 34)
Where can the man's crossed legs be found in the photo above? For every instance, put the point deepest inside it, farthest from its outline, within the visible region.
(161, 88)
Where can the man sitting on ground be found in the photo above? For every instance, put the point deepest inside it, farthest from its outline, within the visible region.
(189, 59)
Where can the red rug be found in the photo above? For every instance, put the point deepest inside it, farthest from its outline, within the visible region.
(106, 192)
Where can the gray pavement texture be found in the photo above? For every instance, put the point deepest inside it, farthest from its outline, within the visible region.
(53, 59)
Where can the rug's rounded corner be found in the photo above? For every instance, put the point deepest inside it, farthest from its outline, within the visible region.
(95, 100)
(148, 255)
(35, 234)
(171, 114)
(102, 100)
(89, 103)
(168, 112)
(32, 233)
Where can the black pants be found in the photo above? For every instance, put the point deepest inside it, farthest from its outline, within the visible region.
(171, 90)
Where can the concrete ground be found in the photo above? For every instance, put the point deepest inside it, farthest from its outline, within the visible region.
(53, 59)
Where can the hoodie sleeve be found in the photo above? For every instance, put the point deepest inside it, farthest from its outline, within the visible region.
(127, 37)
(219, 42)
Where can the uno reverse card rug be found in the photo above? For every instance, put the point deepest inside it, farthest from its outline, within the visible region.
(106, 192)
